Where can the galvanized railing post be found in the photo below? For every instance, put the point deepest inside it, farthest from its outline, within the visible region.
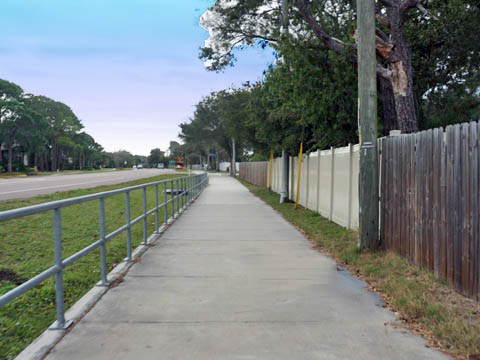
(129, 231)
(194, 187)
(59, 288)
(176, 197)
(183, 193)
(103, 248)
(172, 199)
(165, 203)
(156, 210)
(145, 215)
(177, 185)
(197, 187)
(190, 189)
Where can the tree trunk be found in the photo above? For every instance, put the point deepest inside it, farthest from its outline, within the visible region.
(10, 157)
(54, 156)
(400, 65)
(388, 105)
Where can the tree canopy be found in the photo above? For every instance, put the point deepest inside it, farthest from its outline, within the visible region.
(427, 51)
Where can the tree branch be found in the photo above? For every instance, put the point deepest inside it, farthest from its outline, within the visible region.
(386, 2)
(382, 35)
(383, 72)
(382, 20)
(332, 43)
(408, 4)
(425, 11)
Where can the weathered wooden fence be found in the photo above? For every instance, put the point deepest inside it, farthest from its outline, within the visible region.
(430, 195)
(255, 173)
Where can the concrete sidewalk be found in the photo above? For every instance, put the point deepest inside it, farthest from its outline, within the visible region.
(232, 280)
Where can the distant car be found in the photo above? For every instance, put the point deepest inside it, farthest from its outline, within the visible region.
(134, 166)
(178, 166)
(139, 166)
(161, 166)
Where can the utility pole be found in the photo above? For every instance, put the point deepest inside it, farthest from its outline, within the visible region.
(367, 125)
(284, 189)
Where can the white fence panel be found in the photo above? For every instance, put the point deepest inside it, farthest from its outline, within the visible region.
(312, 182)
(325, 182)
(293, 178)
(355, 173)
(328, 183)
(302, 199)
(341, 186)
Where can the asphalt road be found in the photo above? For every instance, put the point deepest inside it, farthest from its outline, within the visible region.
(20, 188)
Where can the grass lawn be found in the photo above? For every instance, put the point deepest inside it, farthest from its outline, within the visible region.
(425, 304)
(26, 249)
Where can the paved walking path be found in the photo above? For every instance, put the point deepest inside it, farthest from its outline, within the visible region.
(232, 280)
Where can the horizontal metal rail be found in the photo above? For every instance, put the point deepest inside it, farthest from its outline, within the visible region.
(182, 192)
(35, 209)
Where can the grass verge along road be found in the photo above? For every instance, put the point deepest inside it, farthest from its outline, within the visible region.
(26, 249)
(425, 305)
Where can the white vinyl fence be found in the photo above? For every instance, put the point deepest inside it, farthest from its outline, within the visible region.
(328, 183)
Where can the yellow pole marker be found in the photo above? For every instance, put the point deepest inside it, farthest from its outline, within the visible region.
(300, 158)
(270, 182)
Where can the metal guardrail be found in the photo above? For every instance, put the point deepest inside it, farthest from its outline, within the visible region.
(182, 192)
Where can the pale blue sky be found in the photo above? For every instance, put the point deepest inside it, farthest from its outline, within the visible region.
(128, 68)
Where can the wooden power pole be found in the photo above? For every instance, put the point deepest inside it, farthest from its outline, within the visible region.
(367, 124)
(284, 189)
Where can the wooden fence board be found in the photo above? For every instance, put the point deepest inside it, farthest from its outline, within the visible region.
(477, 215)
(254, 172)
(400, 189)
(391, 204)
(473, 235)
(443, 206)
(430, 195)
(408, 169)
(423, 199)
(412, 198)
(382, 191)
(465, 217)
(436, 171)
(451, 204)
(457, 207)
(394, 204)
